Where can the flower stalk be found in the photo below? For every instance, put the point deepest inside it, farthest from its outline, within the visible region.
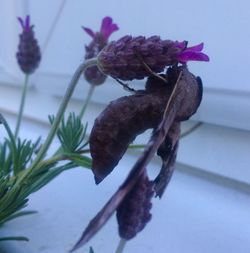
(60, 113)
(22, 104)
(121, 246)
(87, 100)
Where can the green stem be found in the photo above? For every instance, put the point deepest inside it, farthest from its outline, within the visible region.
(90, 93)
(60, 113)
(136, 146)
(121, 246)
(21, 107)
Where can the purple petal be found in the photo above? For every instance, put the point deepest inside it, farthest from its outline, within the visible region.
(106, 22)
(89, 32)
(108, 27)
(21, 22)
(186, 56)
(181, 45)
(27, 23)
(196, 48)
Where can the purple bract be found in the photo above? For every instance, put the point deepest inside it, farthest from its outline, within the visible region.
(190, 53)
(107, 28)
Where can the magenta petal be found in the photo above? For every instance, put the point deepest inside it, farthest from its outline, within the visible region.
(112, 28)
(106, 22)
(107, 27)
(197, 48)
(186, 56)
(181, 45)
(89, 32)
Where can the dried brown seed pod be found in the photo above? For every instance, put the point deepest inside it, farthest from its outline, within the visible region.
(133, 214)
(119, 124)
(189, 93)
(125, 118)
(168, 152)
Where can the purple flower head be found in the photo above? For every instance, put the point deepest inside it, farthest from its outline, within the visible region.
(25, 23)
(190, 53)
(127, 57)
(28, 53)
(99, 41)
(107, 28)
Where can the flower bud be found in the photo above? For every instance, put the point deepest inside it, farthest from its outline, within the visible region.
(28, 54)
(99, 40)
(134, 212)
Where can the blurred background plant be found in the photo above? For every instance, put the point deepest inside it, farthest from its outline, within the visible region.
(23, 166)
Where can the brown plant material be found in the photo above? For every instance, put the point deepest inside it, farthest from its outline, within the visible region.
(120, 123)
(168, 152)
(138, 169)
(133, 214)
(125, 118)
(180, 96)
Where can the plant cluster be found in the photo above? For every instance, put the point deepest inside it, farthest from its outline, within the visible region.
(171, 95)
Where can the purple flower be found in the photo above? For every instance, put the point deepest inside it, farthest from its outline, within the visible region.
(28, 54)
(131, 57)
(190, 53)
(107, 28)
(25, 23)
(99, 41)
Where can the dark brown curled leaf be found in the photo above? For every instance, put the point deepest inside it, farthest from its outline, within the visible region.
(125, 118)
(189, 92)
(168, 152)
(119, 124)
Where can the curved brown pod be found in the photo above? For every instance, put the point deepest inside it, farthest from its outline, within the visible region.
(119, 124)
(125, 118)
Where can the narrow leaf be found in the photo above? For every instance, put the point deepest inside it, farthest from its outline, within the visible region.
(14, 238)
(19, 214)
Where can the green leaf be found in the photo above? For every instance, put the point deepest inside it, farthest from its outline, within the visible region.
(19, 214)
(71, 133)
(5, 158)
(14, 238)
(48, 176)
(25, 150)
(80, 160)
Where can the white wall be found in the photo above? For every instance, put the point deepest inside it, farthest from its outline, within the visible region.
(222, 24)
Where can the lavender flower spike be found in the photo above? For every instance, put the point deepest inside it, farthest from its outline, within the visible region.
(131, 57)
(99, 41)
(28, 54)
(125, 59)
(191, 53)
